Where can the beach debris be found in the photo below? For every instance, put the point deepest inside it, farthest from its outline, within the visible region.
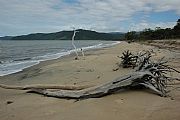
(147, 73)
(116, 69)
(82, 52)
(98, 77)
(9, 102)
(90, 70)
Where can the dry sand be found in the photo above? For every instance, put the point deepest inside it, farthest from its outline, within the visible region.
(96, 68)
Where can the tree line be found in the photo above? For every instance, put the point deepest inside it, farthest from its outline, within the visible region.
(156, 34)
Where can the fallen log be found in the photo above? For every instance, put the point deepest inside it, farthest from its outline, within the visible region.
(84, 92)
(61, 87)
(102, 90)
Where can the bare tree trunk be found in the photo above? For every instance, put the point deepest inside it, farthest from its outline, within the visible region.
(59, 87)
(97, 91)
(83, 92)
(74, 34)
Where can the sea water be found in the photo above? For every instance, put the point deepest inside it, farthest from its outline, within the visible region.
(16, 55)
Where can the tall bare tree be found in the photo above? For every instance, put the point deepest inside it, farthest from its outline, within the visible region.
(74, 34)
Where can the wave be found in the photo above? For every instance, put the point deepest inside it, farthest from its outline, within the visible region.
(18, 65)
(10, 68)
(23, 59)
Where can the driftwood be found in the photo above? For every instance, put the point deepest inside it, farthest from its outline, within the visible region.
(74, 34)
(61, 87)
(149, 74)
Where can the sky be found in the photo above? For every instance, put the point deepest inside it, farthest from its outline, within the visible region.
(19, 17)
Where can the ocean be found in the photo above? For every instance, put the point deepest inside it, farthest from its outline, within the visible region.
(16, 55)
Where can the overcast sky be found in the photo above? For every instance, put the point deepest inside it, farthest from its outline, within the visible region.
(19, 17)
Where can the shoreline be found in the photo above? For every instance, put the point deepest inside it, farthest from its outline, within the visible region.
(96, 68)
(88, 50)
(62, 54)
(20, 75)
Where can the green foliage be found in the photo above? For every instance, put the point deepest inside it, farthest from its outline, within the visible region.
(157, 34)
(176, 29)
(131, 35)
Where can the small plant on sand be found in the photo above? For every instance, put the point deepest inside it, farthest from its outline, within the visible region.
(128, 59)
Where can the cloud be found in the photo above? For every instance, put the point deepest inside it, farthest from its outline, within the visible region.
(143, 25)
(27, 16)
(165, 5)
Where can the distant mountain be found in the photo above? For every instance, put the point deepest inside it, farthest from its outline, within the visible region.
(6, 38)
(67, 35)
(117, 33)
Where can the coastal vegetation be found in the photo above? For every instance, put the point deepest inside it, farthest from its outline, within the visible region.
(156, 34)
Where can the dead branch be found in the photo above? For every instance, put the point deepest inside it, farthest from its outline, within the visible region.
(74, 34)
(60, 87)
(98, 91)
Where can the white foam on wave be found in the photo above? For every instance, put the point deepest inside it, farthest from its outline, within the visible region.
(101, 45)
(10, 68)
(51, 56)
(17, 66)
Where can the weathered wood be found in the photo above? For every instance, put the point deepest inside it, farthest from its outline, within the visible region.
(98, 91)
(62, 87)
(74, 34)
(81, 92)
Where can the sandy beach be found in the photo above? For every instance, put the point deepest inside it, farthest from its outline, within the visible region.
(96, 68)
